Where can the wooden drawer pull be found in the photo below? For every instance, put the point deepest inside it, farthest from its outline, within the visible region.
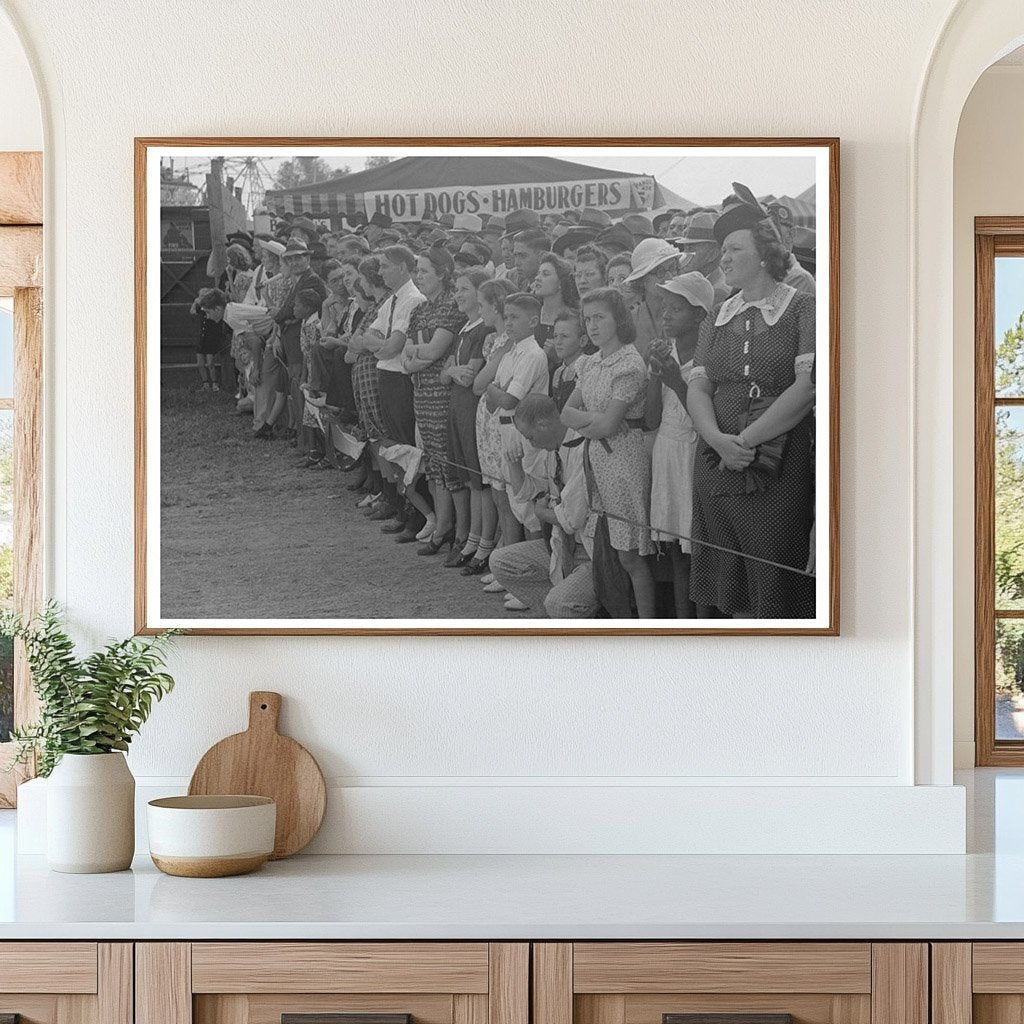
(727, 1018)
(341, 1018)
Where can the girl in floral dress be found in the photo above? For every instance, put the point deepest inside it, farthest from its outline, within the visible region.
(607, 408)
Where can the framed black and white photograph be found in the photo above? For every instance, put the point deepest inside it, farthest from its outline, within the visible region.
(498, 386)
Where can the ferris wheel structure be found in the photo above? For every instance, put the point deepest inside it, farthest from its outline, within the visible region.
(252, 175)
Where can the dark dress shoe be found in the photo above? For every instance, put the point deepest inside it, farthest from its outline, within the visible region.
(415, 520)
(435, 544)
(475, 567)
(456, 559)
(398, 526)
(407, 536)
(383, 514)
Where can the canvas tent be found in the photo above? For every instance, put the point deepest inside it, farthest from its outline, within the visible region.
(801, 208)
(415, 187)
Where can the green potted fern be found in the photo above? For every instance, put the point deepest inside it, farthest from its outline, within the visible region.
(89, 710)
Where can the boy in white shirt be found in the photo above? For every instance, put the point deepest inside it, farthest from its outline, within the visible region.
(522, 371)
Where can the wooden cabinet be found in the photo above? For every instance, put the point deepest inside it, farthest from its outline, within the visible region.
(977, 983)
(652, 982)
(306, 982)
(66, 982)
(512, 982)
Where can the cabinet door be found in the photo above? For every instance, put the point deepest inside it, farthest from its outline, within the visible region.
(730, 983)
(66, 982)
(332, 983)
(981, 982)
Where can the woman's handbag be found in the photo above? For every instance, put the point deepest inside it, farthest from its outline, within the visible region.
(768, 456)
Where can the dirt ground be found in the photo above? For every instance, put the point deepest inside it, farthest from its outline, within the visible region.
(246, 533)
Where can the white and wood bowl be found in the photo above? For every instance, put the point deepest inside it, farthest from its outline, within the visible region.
(211, 836)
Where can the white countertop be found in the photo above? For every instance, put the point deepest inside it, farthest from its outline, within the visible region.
(979, 895)
(518, 897)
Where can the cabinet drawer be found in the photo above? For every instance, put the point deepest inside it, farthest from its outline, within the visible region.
(332, 983)
(730, 983)
(634, 967)
(340, 967)
(998, 967)
(66, 982)
(65, 967)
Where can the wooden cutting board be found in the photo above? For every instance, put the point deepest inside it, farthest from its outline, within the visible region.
(262, 762)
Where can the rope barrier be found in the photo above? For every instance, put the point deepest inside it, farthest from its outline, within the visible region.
(431, 457)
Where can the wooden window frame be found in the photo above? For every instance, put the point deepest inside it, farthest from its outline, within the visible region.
(993, 237)
(21, 278)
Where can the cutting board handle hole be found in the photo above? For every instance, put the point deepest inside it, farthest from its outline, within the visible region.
(263, 707)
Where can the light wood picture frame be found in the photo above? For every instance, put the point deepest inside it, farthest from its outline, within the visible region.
(333, 205)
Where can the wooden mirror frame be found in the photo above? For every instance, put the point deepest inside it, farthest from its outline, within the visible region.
(21, 277)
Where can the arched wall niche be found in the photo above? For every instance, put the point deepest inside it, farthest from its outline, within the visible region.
(974, 36)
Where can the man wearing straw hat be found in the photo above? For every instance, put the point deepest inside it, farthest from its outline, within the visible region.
(296, 258)
(699, 240)
(796, 277)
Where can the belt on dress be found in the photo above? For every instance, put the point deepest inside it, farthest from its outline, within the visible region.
(635, 424)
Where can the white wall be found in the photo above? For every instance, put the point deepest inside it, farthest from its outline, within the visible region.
(428, 716)
(987, 182)
(21, 126)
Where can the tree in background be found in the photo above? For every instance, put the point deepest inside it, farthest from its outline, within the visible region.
(1010, 362)
(304, 170)
(377, 161)
(1009, 511)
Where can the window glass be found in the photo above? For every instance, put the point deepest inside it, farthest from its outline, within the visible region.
(1009, 320)
(1009, 679)
(1009, 517)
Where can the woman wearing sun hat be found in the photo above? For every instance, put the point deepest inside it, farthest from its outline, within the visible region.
(751, 398)
(654, 261)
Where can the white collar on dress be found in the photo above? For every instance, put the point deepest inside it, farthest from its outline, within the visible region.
(772, 306)
(469, 327)
(407, 289)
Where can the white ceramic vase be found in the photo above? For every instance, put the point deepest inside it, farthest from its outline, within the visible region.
(90, 814)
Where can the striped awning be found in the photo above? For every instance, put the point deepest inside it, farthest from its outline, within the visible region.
(316, 204)
(801, 211)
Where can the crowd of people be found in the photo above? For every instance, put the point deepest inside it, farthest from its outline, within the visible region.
(569, 409)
